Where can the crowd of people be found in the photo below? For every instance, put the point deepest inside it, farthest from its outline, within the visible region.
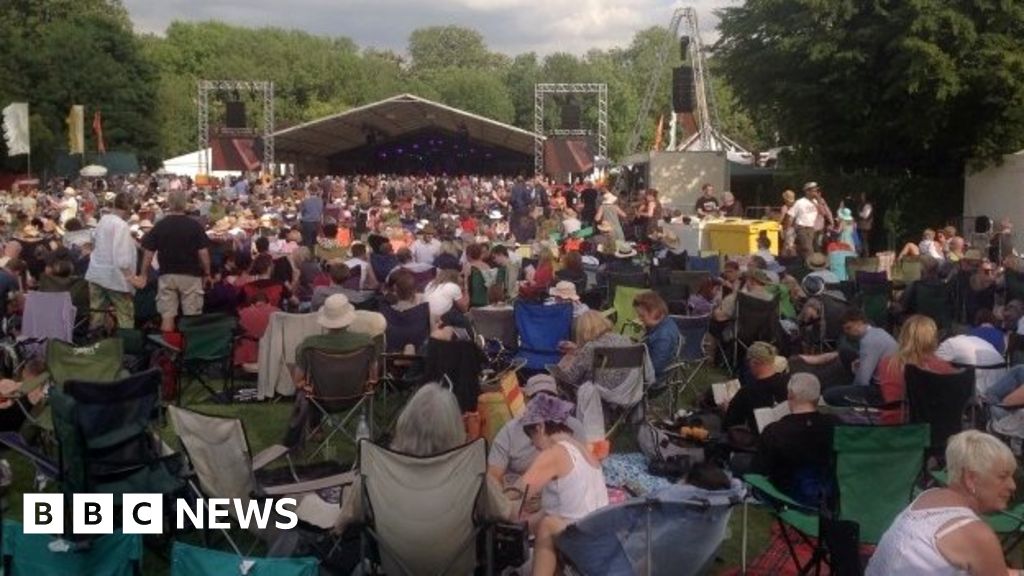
(334, 246)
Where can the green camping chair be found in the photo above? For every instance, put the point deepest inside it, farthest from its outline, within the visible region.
(208, 340)
(189, 560)
(876, 469)
(100, 362)
(625, 315)
(116, 554)
(874, 299)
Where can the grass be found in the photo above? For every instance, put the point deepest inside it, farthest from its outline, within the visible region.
(265, 424)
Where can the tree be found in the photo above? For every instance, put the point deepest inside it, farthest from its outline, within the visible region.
(888, 86)
(449, 47)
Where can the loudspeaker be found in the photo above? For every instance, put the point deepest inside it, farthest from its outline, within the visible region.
(682, 89)
(684, 47)
(571, 116)
(982, 225)
(235, 115)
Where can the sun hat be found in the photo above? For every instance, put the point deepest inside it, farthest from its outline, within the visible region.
(540, 383)
(817, 261)
(565, 290)
(759, 276)
(69, 191)
(762, 352)
(624, 250)
(810, 186)
(429, 229)
(495, 215)
(336, 312)
(544, 408)
(845, 214)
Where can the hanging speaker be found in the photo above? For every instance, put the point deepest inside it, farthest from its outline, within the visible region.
(682, 89)
(571, 116)
(684, 47)
(982, 225)
(235, 117)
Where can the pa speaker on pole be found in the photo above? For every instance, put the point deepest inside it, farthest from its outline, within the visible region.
(682, 89)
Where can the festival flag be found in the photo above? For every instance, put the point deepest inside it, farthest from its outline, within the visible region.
(657, 133)
(16, 129)
(76, 130)
(97, 129)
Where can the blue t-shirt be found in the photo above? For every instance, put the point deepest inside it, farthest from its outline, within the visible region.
(992, 335)
(312, 209)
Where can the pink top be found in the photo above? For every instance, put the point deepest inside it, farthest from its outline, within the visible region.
(893, 386)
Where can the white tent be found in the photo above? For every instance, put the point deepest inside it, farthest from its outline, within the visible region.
(188, 165)
(997, 191)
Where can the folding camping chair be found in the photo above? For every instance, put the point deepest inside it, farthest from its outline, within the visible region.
(410, 501)
(939, 400)
(541, 327)
(675, 297)
(643, 536)
(874, 299)
(855, 266)
(340, 383)
(755, 319)
(46, 316)
(693, 330)
(622, 360)
(692, 279)
(498, 325)
(933, 300)
(406, 327)
(188, 560)
(116, 554)
(106, 437)
(99, 362)
(207, 340)
(223, 466)
(460, 363)
(627, 279)
(711, 264)
(625, 315)
(876, 470)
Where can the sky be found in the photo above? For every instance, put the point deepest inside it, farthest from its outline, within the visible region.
(508, 26)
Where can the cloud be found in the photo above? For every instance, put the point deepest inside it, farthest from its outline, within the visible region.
(508, 26)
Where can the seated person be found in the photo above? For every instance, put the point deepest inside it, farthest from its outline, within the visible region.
(335, 316)
(755, 284)
(367, 277)
(338, 273)
(621, 264)
(919, 338)
(705, 298)
(565, 471)
(873, 344)
(661, 333)
(261, 283)
(511, 453)
(766, 388)
(405, 262)
(909, 302)
(402, 293)
(985, 328)
(383, 261)
(795, 452)
(328, 249)
(17, 399)
(572, 270)
(593, 330)
(818, 264)
(970, 350)
(565, 291)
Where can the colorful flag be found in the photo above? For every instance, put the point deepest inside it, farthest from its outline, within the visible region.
(76, 130)
(16, 129)
(97, 129)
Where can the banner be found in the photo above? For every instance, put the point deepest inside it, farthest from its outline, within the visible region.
(97, 130)
(16, 129)
(76, 130)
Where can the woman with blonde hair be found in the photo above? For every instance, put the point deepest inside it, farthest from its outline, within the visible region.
(918, 340)
(942, 531)
(788, 229)
(592, 330)
(445, 293)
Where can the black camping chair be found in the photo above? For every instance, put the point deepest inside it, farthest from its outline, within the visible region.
(341, 385)
(755, 320)
(939, 400)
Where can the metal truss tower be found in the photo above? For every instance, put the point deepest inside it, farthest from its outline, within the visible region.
(266, 90)
(540, 93)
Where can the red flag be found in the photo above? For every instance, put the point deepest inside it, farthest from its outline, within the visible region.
(97, 129)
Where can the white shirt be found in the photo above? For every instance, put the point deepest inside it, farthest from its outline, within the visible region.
(68, 209)
(114, 251)
(441, 298)
(969, 350)
(425, 252)
(803, 212)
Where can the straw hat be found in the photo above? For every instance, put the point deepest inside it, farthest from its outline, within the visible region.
(817, 261)
(564, 290)
(30, 231)
(759, 276)
(624, 250)
(336, 312)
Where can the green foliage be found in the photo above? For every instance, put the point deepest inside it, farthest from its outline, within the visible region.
(889, 86)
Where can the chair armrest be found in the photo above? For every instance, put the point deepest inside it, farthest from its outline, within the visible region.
(268, 455)
(158, 339)
(343, 479)
(763, 486)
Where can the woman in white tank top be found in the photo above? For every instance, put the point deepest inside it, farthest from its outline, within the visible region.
(941, 532)
(564, 471)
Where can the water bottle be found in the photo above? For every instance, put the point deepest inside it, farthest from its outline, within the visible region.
(363, 429)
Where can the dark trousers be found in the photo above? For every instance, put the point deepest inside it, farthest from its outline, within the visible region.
(309, 231)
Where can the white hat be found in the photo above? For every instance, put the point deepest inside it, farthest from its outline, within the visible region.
(494, 215)
(624, 250)
(69, 191)
(565, 290)
(336, 312)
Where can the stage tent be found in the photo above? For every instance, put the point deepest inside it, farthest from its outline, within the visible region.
(188, 165)
(996, 191)
(406, 134)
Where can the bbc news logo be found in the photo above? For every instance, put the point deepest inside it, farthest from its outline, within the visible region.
(144, 513)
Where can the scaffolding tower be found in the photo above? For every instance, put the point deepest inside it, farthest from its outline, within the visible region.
(264, 88)
(540, 93)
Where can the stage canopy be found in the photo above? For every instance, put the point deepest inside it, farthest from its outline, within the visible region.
(406, 134)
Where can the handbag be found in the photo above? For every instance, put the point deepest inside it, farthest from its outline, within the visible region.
(511, 544)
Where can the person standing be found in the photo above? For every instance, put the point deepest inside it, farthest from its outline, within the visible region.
(865, 223)
(803, 214)
(183, 249)
(707, 204)
(111, 273)
(311, 213)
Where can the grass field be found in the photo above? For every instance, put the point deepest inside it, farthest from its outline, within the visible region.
(265, 424)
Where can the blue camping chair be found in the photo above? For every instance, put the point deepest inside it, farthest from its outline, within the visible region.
(116, 554)
(710, 264)
(644, 535)
(541, 327)
(189, 560)
(693, 330)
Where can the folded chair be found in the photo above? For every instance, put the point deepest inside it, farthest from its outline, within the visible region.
(187, 560)
(541, 327)
(341, 385)
(116, 554)
(424, 513)
(875, 471)
(224, 467)
(675, 531)
(107, 440)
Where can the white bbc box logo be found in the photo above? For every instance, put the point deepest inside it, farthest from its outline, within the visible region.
(93, 513)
